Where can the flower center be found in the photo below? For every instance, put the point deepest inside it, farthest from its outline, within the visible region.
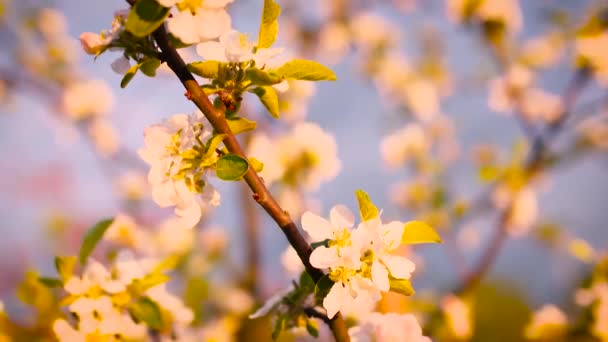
(341, 274)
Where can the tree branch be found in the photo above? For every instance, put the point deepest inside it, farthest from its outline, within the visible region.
(534, 164)
(261, 193)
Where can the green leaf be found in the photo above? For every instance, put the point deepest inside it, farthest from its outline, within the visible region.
(312, 327)
(149, 66)
(306, 282)
(212, 144)
(50, 282)
(269, 98)
(196, 292)
(419, 232)
(139, 286)
(146, 310)
(239, 125)
(145, 17)
(129, 75)
(402, 286)
(92, 237)
(301, 69)
(206, 69)
(279, 326)
(169, 263)
(231, 167)
(322, 288)
(65, 266)
(269, 27)
(261, 77)
(367, 209)
(257, 165)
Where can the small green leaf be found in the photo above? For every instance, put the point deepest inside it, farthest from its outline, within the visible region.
(145, 17)
(269, 98)
(257, 165)
(419, 232)
(149, 66)
(129, 75)
(212, 144)
(196, 292)
(231, 167)
(65, 266)
(239, 125)
(269, 27)
(139, 286)
(301, 69)
(146, 310)
(402, 286)
(261, 77)
(206, 69)
(312, 327)
(169, 263)
(50, 282)
(279, 326)
(92, 237)
(306, 282)
(322, 288)
(367, 209)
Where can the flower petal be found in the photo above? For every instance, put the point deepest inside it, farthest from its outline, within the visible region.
(398, 266)
(323, 257)
(341, 216)
(189, 215)
(317, 227)
(212, 51)
(380, 276)
(392, 234)
(335, 299)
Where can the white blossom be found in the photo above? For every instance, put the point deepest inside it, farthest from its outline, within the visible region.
(84, 99)
(306, 157)
(388, 327)
(176, 179)
(458, 313)
(235, 47)
(547, 322)
(359, 261)
(198, 21)
(407, 143)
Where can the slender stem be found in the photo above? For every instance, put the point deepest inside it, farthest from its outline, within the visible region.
(487, 258)
(261, 193)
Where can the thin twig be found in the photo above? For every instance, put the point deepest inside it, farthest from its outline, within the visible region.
(535, 163)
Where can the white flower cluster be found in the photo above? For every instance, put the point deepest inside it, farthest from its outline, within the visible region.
(515, 91)
(306, 157)
(362, 262)
(180, 152)
(97, 300)
(388, 327)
